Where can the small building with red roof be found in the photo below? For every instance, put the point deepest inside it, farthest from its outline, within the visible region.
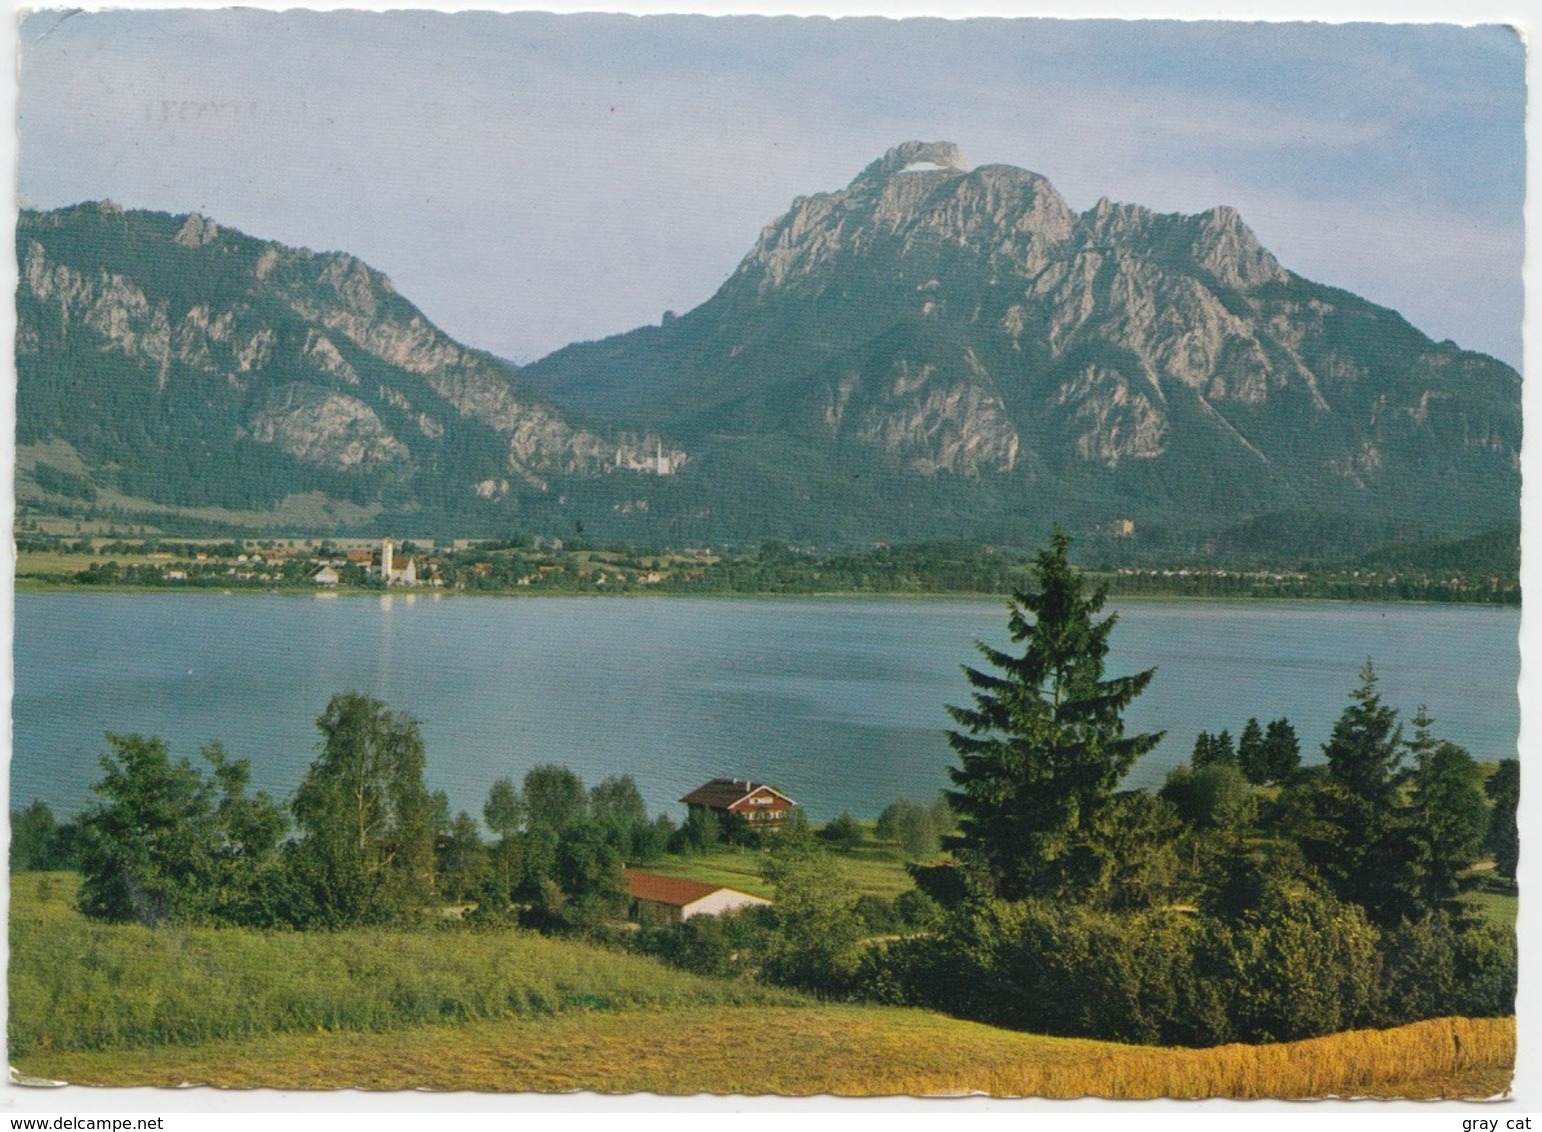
(658, 899)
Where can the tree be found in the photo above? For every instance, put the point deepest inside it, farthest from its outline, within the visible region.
(617, 802)
(700, 832)
(504, 811)
(588, 870)
(1307, 965)
(1360, 839)
(36, 841)
(616, 806)
(1281, 753)
(142, 855)
(1043, 746)
(164, 843)
(367, 855)
(1136, 857)
(461, 861)
(1449, 808)
(1211, 796)
(554, 797)
(910, 824)
(1250, 752)
(842, 831)
(1213, 750)
(1503, 837)
(244, 839)
(1365, 749)
(816, 941)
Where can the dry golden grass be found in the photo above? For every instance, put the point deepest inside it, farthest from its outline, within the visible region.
(843, 1050)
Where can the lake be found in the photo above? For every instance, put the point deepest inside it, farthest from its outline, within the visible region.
(839, 702)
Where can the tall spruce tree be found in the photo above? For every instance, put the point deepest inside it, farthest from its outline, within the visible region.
(1250, 751)
(1282, 751)
(1365, 750)
(1362, 841)
(1043, 748)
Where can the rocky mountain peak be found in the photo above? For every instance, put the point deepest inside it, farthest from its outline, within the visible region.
(307, 365)
(1226, 247)
(1217, 241)
(962, 323)
(914, 157)
(198, 230)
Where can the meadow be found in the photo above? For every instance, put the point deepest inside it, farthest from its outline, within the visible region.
(872, 867)
(507, 1010)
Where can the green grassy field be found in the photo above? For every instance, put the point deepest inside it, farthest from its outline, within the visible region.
(1498, 900)
(874, 867)
(75, 984)
(505, 1010)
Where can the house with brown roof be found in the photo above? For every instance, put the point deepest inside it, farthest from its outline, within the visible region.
(738, 800)
(658, 899)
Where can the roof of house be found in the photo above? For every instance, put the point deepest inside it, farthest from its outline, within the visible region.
(721, 793)
(668, 890)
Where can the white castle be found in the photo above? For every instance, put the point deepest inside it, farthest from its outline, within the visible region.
(661, 463)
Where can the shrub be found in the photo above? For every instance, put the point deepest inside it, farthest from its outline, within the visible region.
(1307, 965)
(912, 826)
(843, 832)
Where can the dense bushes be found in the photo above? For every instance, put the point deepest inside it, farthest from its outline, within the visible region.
(1299, 965)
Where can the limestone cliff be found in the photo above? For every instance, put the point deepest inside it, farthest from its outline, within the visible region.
(249, 342)
(967, 321)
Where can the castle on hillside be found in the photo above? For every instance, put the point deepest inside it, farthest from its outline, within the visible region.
(661, 463)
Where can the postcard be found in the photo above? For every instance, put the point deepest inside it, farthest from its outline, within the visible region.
(766, 557)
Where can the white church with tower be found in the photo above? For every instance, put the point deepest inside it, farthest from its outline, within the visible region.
(406, 575)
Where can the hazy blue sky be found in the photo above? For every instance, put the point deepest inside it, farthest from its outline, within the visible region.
(531, 179)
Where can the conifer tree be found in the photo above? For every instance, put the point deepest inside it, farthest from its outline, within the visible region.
(1362, 842)
(1451, 815)
(1365, 750)
(1282, 751)
(1250, 752)
(1043, 747)
(1503, 838)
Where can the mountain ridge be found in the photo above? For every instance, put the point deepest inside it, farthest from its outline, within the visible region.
(307, 366)
(969, 322)
(934, 351)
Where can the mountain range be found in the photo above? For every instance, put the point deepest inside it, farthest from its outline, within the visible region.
(934, 351)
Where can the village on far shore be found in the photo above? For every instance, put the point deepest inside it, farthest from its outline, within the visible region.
(530, 564)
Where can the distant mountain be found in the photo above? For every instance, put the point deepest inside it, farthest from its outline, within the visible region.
(163, 361)
(933, 352)
(940, 351)
(1492, 552)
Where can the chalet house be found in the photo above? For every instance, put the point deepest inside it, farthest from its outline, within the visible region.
(760, 807)
(659, 899)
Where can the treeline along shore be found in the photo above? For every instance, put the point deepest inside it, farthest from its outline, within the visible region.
(1253, 898)
(1482, 571)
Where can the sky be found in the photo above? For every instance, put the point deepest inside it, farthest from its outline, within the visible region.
(534, 179)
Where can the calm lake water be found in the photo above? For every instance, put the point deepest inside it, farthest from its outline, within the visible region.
(839, 702)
